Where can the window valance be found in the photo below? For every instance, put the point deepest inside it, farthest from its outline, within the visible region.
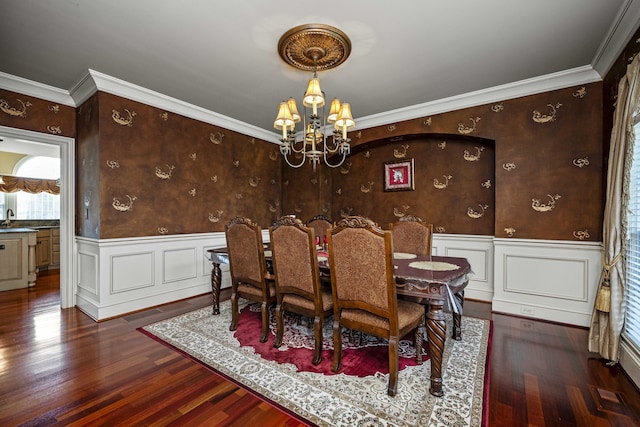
(11, 184)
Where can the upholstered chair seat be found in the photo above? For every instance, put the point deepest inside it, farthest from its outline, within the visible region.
(249, 277)
(364, 291)
(297, 278)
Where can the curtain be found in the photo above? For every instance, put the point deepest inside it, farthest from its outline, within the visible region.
(12, 184)
(607, 318)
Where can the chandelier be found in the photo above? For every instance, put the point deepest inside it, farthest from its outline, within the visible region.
(314, 47)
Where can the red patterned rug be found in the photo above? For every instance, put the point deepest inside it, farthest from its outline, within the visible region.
(357, 395)
(362, 354)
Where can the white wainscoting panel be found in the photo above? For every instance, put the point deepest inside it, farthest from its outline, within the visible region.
(180, 264)
(119, 276)
(131, 271)
(479, 251)
(550, 280)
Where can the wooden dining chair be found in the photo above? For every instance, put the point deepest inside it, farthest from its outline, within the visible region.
(364, 291)
(249, 277)
(298, 286)
(412, 235)
(321, 225)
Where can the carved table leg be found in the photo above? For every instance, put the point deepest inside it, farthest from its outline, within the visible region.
(436, 332)
(216, 279)
(457, 317)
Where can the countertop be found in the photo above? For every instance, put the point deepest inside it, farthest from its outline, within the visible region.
(17, 230)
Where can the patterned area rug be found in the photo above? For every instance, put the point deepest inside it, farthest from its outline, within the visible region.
(327, 399)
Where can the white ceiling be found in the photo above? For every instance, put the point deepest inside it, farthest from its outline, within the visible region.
(222, 55)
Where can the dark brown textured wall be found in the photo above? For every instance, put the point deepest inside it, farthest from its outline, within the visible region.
(545, 173)
(26, 112)
(161, 173)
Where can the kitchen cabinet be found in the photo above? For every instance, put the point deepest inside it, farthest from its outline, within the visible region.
(17, 258)
(43, 248)
(55, 246)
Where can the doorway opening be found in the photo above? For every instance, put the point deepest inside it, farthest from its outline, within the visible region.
(66, 147)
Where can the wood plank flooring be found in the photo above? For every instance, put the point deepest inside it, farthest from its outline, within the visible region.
(59, 367)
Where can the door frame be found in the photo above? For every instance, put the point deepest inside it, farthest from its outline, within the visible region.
(68, 262)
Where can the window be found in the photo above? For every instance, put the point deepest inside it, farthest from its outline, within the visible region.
(632, 295)
(41, 205)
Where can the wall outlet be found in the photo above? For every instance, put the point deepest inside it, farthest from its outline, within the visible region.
(527, 311)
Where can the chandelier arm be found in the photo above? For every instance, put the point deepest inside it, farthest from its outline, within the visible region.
(326, 160)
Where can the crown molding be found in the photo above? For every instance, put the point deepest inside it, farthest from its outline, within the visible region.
(93, 81)
(35, 89)
(622, 29)
(549, 82)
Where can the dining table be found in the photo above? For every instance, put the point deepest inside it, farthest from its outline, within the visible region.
(433, 281)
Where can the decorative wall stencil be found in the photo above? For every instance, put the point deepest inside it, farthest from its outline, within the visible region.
(345, 168)
(236, 163)
(239, 196)
(496, 108)
(216, 217)
(508, 166)
(272, 181)
(123, 207)
(400, 212)
(540, 207)
(286, 182)
(163, 230)
(252, 141)
(441, 185)
(122, 120)
(473, 157)
(427, 121)
(367, 154)
(401, 153)
(55, 130)
(442, 145)
(192, 192)
(254, 181)
(55, 108)
(486, 184)
(314, 180)
(214, 178)
(165, 174)
(325, 209)
(581, 235)
(357, 135)
(477, 214)
(440, 229)
(365, 188)
(273, 207)
(396, 139)
(298, 209)
(216, 138)
(12, 111)
(113, 164)
(391, 128)
(164, 116)
(538, 117)
(346, 212)
(580, 93)
(466, 130)
(193, 156)
(581, 162)
(510, 231)
(398, 176)
(339, 191)
(273, 155)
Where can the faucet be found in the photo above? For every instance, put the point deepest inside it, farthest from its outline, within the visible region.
(7, 221)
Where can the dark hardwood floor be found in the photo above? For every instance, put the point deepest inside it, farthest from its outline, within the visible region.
(59, 367)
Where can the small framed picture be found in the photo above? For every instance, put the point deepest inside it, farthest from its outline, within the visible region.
(398, 175)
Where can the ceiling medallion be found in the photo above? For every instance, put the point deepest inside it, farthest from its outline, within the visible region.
(314, 47)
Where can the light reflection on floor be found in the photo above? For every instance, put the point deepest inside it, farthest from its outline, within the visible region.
(47, 325)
